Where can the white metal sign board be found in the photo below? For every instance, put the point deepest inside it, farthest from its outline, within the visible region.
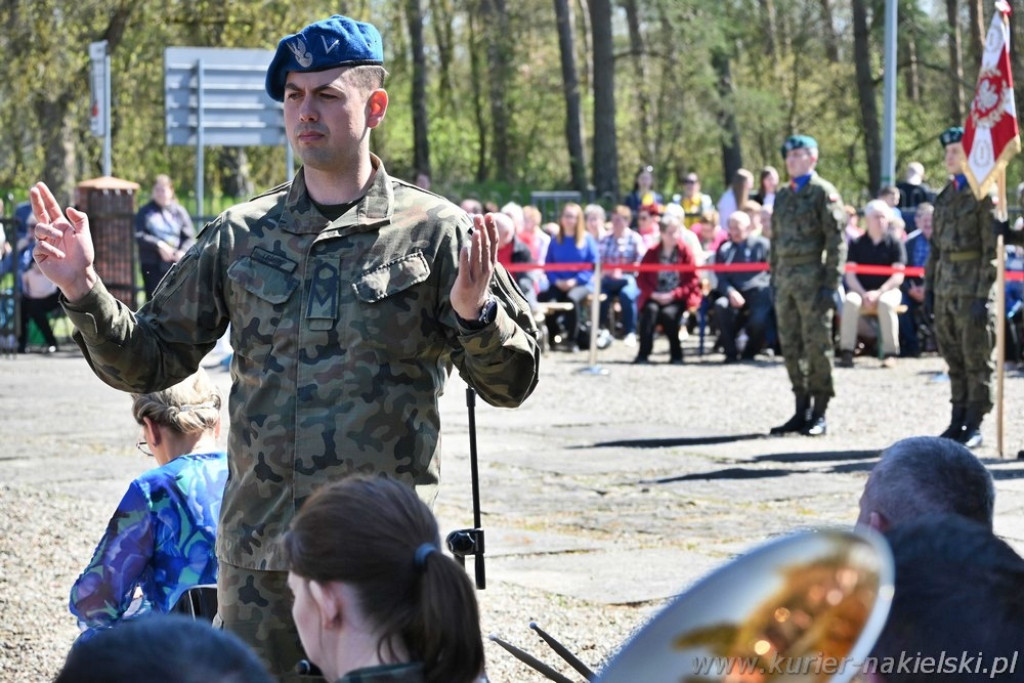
(98, 83)
(216, 96)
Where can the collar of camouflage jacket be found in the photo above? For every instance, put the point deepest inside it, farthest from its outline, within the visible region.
(374, 210)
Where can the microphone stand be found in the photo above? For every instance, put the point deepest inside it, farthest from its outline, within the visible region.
(463, 542)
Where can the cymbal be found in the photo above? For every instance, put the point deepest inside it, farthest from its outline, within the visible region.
(806, 607)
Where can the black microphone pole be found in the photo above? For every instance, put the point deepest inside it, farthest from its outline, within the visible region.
(465, 542)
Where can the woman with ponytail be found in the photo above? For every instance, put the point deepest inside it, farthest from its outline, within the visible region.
(375, 598)
(160, 541)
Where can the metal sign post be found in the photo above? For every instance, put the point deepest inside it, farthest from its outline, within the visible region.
(216, 96)
(100, 105)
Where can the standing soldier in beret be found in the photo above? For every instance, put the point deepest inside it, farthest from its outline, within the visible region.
(959, 281)
(807, 258)
(350, 295)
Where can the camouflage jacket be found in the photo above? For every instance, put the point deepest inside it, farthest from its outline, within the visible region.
(808, 229)
(343, 334)
(961, 260)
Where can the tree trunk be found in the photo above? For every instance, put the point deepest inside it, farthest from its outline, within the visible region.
(643, 99)
(420, 123)
(57, 138)
(732, 154)
(606, 155)
(475, 78)
(571, 87)
(910, 72)
(499, 55)
(831, 41)
(235, 179)
(767, 11)
(866, 95)
(977, 29)
(441, 14)
(956, 62)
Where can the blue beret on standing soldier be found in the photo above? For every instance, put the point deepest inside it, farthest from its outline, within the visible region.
(350, 295)
(959, 281)
(807, 258)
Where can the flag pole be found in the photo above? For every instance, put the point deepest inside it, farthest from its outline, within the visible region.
(1002, 214)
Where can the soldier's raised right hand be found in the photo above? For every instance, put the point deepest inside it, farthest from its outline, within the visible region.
(64, 248)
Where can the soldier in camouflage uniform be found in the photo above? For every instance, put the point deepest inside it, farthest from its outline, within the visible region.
(807, 258)
(350, 294)
(959, 284)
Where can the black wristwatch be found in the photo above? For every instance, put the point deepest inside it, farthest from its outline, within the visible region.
(488, 313)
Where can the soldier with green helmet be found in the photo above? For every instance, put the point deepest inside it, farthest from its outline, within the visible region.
(807, 259)
(350, 295)
(959, 282)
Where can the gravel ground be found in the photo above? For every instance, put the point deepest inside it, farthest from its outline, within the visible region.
(603, 496)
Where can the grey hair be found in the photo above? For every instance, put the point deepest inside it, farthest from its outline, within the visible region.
(928, 475)
(190, 406)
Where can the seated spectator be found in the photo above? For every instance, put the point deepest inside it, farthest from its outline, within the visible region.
(6, 250)
(878, 294)
(533, 234)
(753, 210)
(913, 192)
(708, 232)
(766, 221)
(693, 202)
(924, 476)
(594, 218)
(538, 240)
(621, 247)
(511, 251)
(572, 244)
(423, 180)
(472, 206)
(917, 247)
(744, 297)
(853, 229)
(647, 224)
(957, 610)
(890, 194)
(163, 232)
(767, 185)
(160, 540)
(375, 598)
(643, 192)
(665, 295)
(39, 298)
(164, 648)
(734, 196)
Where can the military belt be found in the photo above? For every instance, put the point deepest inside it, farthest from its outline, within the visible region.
(801, 260)
(961, 256)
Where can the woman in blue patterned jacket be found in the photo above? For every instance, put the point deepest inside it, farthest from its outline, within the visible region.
(160, 540)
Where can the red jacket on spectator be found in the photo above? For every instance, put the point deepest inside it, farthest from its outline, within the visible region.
(688, 289)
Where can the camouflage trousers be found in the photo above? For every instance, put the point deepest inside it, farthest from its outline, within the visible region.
(967, 349)
(257, 607)
(805, 335)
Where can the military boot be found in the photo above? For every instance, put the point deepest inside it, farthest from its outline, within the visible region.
(970, 436)
(798, 422)
(956, 423)
(816, 425)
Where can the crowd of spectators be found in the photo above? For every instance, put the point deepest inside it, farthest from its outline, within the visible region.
(881, 315)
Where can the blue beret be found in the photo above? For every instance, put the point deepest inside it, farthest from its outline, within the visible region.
(798, 142)
(336, 41)
(951, 135)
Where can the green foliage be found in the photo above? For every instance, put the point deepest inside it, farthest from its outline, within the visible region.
(783, 81)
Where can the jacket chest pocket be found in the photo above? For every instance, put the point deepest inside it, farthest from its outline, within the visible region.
(385, 309)
(264, 284)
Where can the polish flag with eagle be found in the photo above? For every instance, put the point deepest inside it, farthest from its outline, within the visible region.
(991, 136)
